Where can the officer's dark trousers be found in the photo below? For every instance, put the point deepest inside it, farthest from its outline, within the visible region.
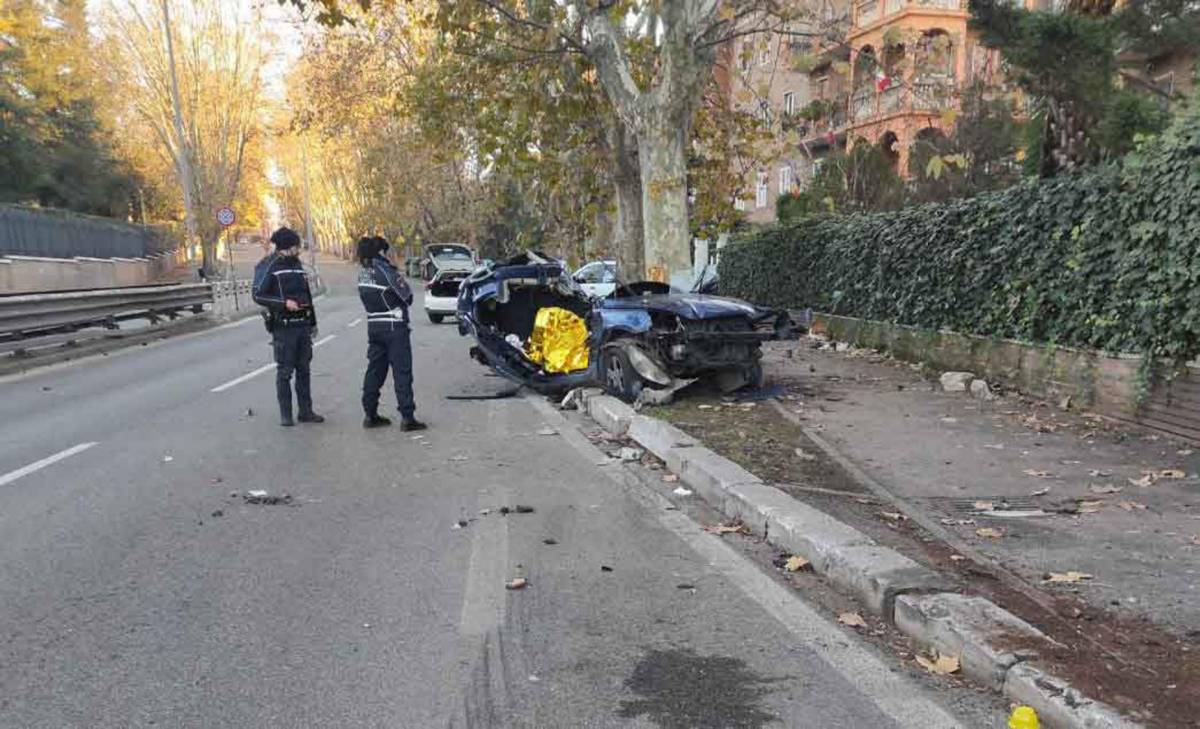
(388, 345)
(293, 353)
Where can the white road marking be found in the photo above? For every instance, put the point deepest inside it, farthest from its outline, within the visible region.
(903, 701)
(239, 380)
(39, 465)
(354, 323)
(255, 373)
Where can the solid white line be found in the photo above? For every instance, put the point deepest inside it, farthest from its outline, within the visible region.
(243, 378)
(354, 323)
(255, 373)
(39, 465)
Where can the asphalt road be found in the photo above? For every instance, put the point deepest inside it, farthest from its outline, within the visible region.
(136, 592)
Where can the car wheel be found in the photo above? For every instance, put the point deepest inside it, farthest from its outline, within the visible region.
(435, 318)
(620, 379)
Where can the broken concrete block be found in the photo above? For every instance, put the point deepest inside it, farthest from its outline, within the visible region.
(970, 628)
(878, 575)
(659, 436)
(956, 381)
(612, 414)
(980, 390)
(709, 473)
(1059, 704)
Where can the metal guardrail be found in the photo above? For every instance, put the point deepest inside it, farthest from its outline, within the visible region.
(30, 315)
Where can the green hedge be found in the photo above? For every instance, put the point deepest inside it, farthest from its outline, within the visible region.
(1108, 259)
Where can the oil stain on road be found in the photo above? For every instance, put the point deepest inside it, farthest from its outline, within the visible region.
(680, 689)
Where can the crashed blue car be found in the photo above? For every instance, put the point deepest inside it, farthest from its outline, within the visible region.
(643, 337)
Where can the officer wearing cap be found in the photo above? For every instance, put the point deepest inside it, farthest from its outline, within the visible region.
(283, 290)
(386, 297)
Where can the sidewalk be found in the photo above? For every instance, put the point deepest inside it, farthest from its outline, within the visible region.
(1130, 629)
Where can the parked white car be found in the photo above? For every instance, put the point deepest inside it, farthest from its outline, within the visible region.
(598, 279)
(441, 291)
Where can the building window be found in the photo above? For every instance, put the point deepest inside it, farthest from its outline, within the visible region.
(785, 179)
(789, 103)
(763, 190)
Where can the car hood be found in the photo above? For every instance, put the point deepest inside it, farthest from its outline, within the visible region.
(688, 306)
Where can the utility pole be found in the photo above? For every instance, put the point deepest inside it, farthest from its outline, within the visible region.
(183, 152)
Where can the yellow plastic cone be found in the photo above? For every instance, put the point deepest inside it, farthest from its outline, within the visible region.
(1023, 717)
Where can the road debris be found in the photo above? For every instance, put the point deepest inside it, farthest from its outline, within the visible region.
(670, 478)
(1131, 505)
(958, 522)
(681, 491)
(168, 459)
(1036, 473)
(893, 516)
(1089, 507)
(805, 455)
(1040, 492)
(218, 514)
(518, 509)
(854, 620)
(605, 568)
(1023, 717)
(518, 583)
(956, 381)
(265, 498)
(1098, 473)
(459, 459)
(460, 524)
(685, 586)
(1071, 577)
(547, 431)
(628, 453)
(989, 533)
(938, 664)
(1101, 490)
(550, 542)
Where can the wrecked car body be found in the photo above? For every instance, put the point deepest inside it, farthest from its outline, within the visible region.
(641, 341)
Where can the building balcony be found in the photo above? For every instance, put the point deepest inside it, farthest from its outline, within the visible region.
(923, 96)
(869, 12)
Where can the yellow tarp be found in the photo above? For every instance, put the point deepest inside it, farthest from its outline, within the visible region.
(559, 341)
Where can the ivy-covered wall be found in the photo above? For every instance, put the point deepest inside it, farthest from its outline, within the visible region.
(1108, 259)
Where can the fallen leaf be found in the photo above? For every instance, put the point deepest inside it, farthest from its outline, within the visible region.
(1090, 507)
(735, 528)
(517, 584)
(1172, 473)
(989, 533)
(1105, 489)
(1067, 576)
(1036, 473)
(984, 505)
(796, 563)
(805, 455)
(1147, 479)
(940, 665)
(854, 620)
(1131, 505)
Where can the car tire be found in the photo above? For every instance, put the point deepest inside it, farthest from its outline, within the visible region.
(619, 378)
(435, 318)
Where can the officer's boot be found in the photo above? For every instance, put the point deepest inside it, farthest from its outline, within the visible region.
(375, 420)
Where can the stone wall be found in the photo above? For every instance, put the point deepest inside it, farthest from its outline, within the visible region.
(30, 274)
(1106, 384)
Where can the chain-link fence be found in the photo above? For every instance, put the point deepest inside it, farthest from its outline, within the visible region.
(59, 234)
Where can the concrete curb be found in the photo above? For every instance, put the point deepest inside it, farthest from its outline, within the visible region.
(918, 601)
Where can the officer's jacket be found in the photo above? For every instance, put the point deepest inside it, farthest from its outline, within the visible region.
(285, 279)
(384, 292)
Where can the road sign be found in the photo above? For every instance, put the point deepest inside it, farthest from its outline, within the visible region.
(226, 216)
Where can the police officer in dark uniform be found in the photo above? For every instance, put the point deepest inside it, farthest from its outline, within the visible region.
(291, 320)
(386, 297)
